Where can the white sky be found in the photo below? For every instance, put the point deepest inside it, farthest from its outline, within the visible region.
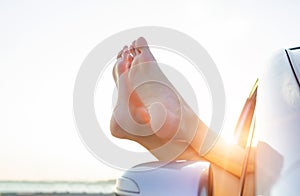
(43, 43)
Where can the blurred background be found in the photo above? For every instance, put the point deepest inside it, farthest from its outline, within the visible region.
(42, 46)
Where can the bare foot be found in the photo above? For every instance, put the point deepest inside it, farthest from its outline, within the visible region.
(147, 103)
(129, 106)
(151, 112)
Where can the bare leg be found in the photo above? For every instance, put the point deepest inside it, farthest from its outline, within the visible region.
(137, 63)
(181, 126)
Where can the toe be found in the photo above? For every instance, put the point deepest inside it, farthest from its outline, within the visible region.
(123, 59)
(124, 51)
(127, 58)
(121, 65)
(143, 51)
(141, 44)
(132, 51)
(115, 70)
(136, 50)
(119, 54)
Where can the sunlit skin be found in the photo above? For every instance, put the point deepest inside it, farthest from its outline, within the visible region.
(227, 156)
(131, 63)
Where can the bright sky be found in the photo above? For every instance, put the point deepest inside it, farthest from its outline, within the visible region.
(43, 43)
